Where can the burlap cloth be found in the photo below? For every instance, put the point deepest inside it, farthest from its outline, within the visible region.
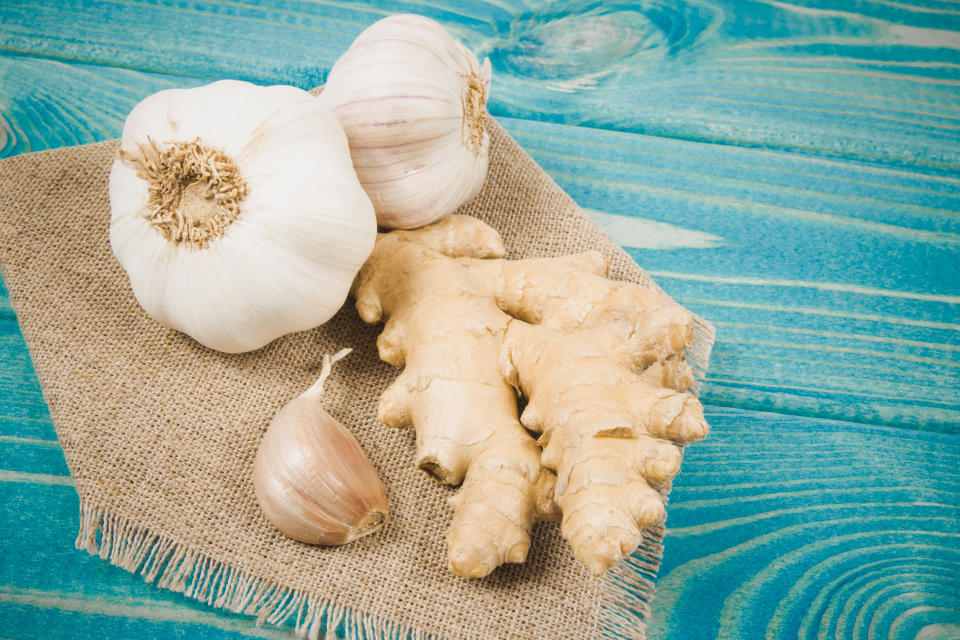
(160, 433)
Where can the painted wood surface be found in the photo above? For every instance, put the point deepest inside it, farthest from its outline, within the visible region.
(789, 170)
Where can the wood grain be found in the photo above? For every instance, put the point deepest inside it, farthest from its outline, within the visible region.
(861, 538)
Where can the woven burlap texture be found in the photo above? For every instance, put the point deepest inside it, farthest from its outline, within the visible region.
(160, 433)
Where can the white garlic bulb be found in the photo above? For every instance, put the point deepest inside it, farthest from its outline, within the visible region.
(236, 212)
(413, 101)
(312, 479)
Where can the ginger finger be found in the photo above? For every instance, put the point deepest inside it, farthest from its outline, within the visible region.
(446, 334)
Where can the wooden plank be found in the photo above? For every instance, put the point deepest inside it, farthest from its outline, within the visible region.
(828, 529)
(22, 454)
(48, 585)
(872, 81)
(82, 617)
(49, 104)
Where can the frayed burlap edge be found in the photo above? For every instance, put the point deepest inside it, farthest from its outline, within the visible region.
(170, 565)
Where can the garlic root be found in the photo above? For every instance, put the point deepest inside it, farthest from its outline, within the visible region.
(312, 478)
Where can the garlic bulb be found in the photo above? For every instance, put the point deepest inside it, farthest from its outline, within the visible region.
(412, 101)
(236, 212)
(312, 478)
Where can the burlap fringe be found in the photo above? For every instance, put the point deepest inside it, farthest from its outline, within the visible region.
(170, 565)
(698, 354)
(173, 566)
(628, 588)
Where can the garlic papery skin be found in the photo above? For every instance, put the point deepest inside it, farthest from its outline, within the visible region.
(312, 479)
(413, 102)
(236, 212)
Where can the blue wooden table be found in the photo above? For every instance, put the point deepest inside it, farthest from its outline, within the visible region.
(788, 169)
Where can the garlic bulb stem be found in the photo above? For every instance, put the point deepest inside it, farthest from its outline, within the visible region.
(475, 109)
(194, 191)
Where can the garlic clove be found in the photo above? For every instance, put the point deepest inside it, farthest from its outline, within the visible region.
(312, 478)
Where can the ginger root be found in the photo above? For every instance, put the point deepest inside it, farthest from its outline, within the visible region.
(600, 363)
